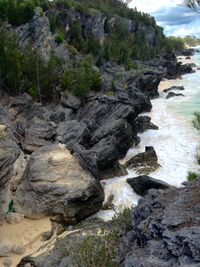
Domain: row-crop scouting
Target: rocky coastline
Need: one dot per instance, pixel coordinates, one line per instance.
(55, 157)
(93, 138)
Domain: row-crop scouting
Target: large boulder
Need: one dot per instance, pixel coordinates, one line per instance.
(165, 229)
(145, 162)
(142, 184)
(143, 123)
(55, 184)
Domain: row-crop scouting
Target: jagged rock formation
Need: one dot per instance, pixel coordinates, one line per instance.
(180, 88)
(165, 229)
(9, 152)
(172, 94)
(144, 163)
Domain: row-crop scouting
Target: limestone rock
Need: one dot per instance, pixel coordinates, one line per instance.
(5, 248)
(144, 163)
(165, 229)
(14, 218)
(55, 184)
(7, 262)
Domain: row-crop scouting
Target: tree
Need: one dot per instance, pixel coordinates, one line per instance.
(193, 5)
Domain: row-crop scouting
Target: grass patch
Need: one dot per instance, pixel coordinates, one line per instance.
(192, 176)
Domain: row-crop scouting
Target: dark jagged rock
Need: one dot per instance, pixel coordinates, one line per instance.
(174, 88)
(37, 31)
(169, 66)
(144, 163)
(40, 133)
(143, 123)
(55, 184)
(142, 184)
(172, 94)
(9, 152)
(60, 114)
(72, 132)
(189, 52)
(166, 229)
(71, 101)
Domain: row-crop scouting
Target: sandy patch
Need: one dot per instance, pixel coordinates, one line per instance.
(167, 84)
(27, 233)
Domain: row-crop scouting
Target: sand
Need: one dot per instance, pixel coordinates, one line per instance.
(28, 233)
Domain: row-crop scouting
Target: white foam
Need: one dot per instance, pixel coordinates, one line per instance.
(176, 144)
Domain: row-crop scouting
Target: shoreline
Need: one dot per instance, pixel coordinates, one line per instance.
(124, 194)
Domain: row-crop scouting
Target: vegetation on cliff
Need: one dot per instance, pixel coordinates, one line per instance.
(128, 35)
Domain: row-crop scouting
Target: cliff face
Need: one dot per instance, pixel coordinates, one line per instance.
(100, 26)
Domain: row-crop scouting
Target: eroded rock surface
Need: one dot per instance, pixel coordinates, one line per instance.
(55, 184)
(144, 163)
(166, 229)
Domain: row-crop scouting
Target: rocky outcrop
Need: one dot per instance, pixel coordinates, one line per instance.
(172, 94)
(144, 163)
(142, 184)
(55, 184)
(165, 229)
(143, 123)
(169, 66)
(9, 152)
(37, 31)
(174, 88)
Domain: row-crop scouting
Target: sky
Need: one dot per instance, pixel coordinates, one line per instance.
(172, 15)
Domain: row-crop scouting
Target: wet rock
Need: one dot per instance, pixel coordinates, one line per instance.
(55, 184)
(172, 94)
(14, 218)
(142, 184)
(144, 163)
(143, 123)
(5, 248)
(174, 88)
(165, 229)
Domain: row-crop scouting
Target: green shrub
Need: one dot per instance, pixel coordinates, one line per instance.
(67, 79)
(192, 176)
(59, 39)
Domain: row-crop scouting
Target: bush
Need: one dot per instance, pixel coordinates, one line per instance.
(59, 38)
(10, 62)
(192, 176)
(67, 79)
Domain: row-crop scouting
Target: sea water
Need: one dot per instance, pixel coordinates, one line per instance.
(176, 142)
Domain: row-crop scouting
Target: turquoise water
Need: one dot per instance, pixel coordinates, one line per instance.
(190, 104)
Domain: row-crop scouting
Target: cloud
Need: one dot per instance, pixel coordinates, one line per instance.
(172, 16)
(178, 20)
